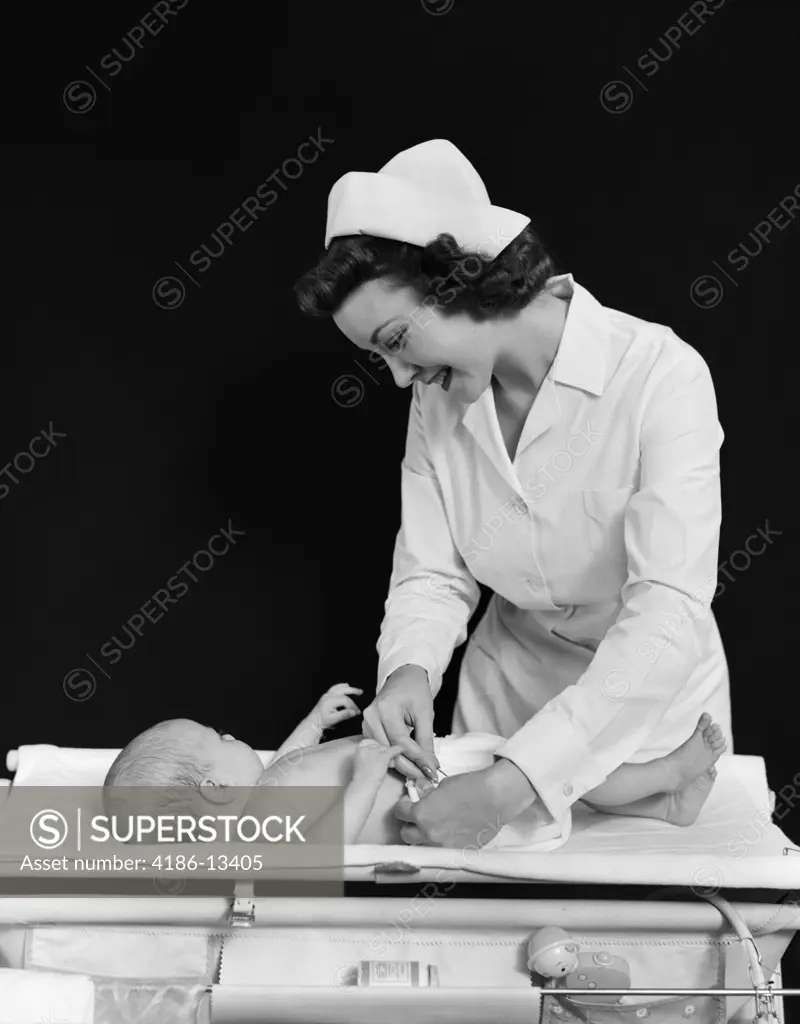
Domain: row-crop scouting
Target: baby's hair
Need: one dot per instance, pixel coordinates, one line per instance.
(453, 279)
(163, 760)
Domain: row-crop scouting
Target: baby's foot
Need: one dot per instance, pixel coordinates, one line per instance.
(684, 806)
(691, 772)
(695, 757)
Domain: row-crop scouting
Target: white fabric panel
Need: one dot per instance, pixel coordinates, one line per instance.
(31, 997)
(123, 953)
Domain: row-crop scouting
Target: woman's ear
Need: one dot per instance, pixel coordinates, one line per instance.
(560, 289)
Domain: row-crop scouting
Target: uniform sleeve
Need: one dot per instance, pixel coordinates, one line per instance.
(672, 541)
(432, 595)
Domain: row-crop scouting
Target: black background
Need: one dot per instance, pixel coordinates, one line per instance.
(223, 409)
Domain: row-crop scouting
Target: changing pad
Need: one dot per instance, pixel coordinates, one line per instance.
(733, 844)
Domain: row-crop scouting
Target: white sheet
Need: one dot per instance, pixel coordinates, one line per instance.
(733, 844)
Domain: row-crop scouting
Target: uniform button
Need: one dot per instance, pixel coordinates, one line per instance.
(603, 959)
(568, 789)
(581, 977)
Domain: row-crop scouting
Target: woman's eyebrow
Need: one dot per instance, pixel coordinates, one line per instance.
(374, 336)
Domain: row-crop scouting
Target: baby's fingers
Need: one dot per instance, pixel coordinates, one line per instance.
(344, 688)
(344, 704)
(334, 717)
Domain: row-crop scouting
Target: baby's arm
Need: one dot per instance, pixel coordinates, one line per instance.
(307, 734)
(333, 707)
(359, 800)
(370, 767)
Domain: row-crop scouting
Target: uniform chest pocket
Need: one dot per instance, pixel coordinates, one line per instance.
(604, 514)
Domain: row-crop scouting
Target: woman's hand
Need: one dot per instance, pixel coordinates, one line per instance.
(466, 810)
(405, 703)
(335, 706)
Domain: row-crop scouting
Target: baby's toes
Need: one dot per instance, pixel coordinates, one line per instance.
(711, 732)
(715, 739)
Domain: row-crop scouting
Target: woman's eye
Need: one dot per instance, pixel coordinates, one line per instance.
(395, 342)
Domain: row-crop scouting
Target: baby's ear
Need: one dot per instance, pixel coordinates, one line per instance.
(217, 793)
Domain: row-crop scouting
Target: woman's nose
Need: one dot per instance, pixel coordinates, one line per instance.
(403, 373)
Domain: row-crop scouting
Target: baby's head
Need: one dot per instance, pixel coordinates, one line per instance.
(184, 755)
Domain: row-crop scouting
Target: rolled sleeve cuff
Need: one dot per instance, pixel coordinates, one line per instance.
(410, 656)
(556, 759)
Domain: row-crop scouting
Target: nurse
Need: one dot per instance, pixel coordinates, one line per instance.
(562, 454)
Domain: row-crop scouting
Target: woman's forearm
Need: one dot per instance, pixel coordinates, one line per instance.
(407, 670)
(512, 786)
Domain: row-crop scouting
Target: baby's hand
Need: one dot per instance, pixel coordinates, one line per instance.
(334, 706)
(372, 761)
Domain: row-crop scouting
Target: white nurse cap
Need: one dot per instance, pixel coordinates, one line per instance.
(421, 193)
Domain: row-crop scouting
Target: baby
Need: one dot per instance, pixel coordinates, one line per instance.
(183, 753)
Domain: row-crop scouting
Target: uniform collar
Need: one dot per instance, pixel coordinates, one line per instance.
(580, 362)
(582, 357)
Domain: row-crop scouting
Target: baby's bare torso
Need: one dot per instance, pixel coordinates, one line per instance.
(331, 765)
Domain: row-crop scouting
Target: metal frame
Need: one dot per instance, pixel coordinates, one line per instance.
(241, 913)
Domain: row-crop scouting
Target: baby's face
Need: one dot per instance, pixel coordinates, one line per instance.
(233, 763)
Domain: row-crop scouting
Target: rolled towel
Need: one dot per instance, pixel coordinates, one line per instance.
(460, 754)
(41, 997)
(42, 764)
(468, 753)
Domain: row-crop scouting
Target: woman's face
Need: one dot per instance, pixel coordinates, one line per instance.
(417, 341)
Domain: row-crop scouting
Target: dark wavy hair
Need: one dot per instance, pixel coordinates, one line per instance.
(442, 274)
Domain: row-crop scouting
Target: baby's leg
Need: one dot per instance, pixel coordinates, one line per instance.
(671, 788)
(331, 764)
